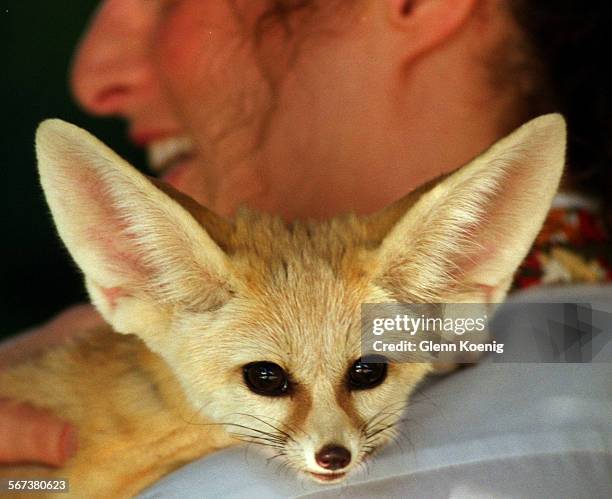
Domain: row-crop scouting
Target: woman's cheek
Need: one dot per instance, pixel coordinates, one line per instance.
(179, 47)
(190, 46)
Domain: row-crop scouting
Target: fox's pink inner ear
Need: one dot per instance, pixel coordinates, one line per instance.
(133, 242)
(90, 222)
(472, 230)
(91, 218)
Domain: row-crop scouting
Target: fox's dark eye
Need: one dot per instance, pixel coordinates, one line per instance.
(266, 378)
(367, 373)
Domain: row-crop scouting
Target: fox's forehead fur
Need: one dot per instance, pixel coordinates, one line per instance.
(300, 287)
(268, 242)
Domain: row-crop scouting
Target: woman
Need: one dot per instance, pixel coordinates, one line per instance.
(310, 108)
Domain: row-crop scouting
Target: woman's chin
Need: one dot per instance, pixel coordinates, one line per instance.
(177, 174)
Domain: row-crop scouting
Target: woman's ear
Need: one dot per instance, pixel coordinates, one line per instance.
(424, 24)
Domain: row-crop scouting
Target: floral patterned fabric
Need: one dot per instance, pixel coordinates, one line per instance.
(574, 246)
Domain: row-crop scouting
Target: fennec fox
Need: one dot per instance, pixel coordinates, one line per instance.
(250, 329)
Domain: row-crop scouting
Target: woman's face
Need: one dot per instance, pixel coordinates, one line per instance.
(236, 103)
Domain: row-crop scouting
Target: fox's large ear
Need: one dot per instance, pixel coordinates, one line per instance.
(464, 236)
(142, 254)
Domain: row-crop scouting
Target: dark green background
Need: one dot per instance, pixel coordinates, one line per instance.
(38, 278)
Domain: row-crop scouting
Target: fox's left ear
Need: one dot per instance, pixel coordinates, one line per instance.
(464, 237)
(142, 253)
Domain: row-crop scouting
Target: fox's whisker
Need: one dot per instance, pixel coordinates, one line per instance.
(255, 442)
(275, 456)
(379, 430)
(379, 419)
(383, 411)
(274, 436)
(281, 423)
(287, 435)
(261, 438)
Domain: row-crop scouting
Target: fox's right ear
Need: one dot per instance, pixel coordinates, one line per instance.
(142, 254)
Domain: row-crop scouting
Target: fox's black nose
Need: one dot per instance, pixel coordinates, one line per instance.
(333, 457)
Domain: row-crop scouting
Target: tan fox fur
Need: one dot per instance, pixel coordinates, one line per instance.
(197, 298)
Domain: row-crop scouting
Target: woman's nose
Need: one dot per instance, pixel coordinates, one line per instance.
(112, 72)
